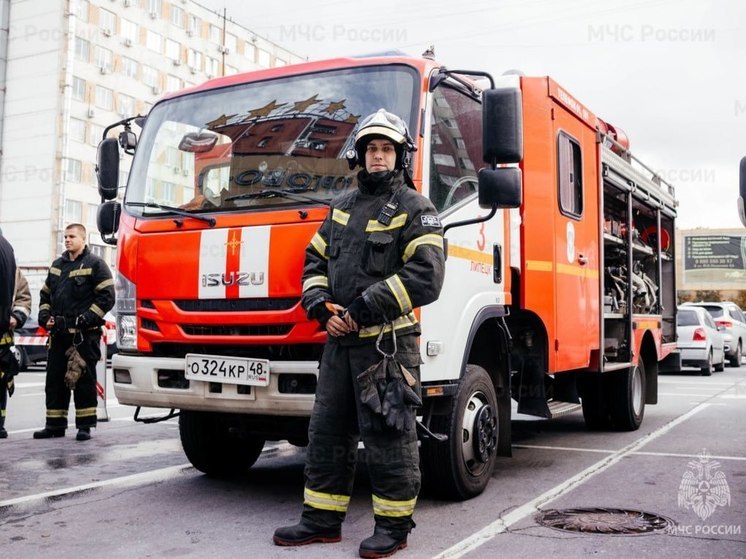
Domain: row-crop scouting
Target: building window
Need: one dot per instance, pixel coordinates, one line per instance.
(177, 16)
(173, 50)
(73, 211)
(150, 76)
(215, 33)
(97, 134)
(71, 170)
(173, 83)
(107, 22)
(77, 129)
(154, 8)
(91, 210)
(104, 59)
(104, 97)
(82, 49)
(230, 70)
(570, 175)
(154, 41)
(230, 42)
(130, 67)
(249, 51)
(193, 25)
(194, 59)
(264, 58)
(212, 66)
(129, 32)
(280, 62)
(78, 89)
(126, 105)
(81, 9)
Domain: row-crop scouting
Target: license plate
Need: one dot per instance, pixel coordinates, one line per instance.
(230, 370)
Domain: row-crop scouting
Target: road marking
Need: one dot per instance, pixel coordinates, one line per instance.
(134, 479)
(500, 525)
(638, 453)
(704, 382)
(574, 449)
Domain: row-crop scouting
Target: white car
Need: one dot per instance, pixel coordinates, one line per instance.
(700, 341)
(731, 317)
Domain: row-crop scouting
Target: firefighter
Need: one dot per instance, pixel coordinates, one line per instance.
(7, 367)
(78, 292)
(376, 257)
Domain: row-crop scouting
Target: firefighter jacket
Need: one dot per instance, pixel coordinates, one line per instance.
(7, 281)
(382, 242)
(21, 299)
(81, 287)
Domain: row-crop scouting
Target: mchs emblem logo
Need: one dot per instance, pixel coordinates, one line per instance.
(703, 487)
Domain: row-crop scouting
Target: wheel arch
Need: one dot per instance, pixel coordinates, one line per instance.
(649, 355)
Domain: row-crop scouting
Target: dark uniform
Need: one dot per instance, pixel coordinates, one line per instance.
(395, 267)
(77, 293)
(7, 282)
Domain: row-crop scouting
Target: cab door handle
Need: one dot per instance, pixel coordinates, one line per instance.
(582, 260)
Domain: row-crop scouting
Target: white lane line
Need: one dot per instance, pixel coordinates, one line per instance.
(134, 479)
(532, 507)
(703, 383)
(688, 394)
(639, 453)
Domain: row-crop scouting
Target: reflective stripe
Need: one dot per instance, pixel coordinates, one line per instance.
(432, 239)
(340, 217)
(387, 507)
(80, 272)
(401, 322)
(325, 501)
(45, 307)
(104, 284)
(95, 308)
(6, 339)
(2, 413)
(315, 281)
(45, 289)
(57, 413)
(400, 293)
(319, 244)
(85, 412)
(55, 271)
(397, 222)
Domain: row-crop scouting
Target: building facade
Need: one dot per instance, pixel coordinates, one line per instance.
(70, 68)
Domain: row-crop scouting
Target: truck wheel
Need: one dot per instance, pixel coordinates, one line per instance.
(212, 448)
(707, 369)
(735, 360)
(627, 397)
(461, 467)
(594, 399)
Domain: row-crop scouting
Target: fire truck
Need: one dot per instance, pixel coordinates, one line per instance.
(559, 290)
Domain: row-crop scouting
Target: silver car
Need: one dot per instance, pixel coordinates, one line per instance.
(731, 317)
(700, 341)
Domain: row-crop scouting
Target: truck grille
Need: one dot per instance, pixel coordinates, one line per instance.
(236, 305)
(237, 330)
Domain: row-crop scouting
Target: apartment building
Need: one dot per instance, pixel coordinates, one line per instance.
(68, 69)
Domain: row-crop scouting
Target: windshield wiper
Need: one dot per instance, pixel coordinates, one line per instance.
(292, 193)
(178, 211)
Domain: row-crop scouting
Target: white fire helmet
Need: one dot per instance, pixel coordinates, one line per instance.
(383, 124)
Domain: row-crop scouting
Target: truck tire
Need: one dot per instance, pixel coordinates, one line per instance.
(212, 448)
(595, 402)
(461, 467)
(627, 397)
(735, 359)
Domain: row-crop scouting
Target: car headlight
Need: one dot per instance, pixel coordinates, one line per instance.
(126, 317)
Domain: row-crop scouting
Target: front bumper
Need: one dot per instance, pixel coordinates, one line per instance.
(147, 388)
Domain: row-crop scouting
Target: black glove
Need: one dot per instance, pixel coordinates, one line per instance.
(369, 385)
(321, 313)
(59, 326)
(362, 314)
(85, 320)
(399, 401)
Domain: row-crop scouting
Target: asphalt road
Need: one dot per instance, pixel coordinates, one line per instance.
(130, 493)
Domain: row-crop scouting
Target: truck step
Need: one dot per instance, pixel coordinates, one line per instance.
(558, 408)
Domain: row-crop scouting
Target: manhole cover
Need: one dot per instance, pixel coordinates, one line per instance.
(604, 521)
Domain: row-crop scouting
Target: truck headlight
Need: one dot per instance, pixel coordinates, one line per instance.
(126, 317)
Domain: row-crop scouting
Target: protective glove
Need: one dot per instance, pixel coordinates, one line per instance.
(86, 320)
(321, 313)
(362, 314)
(399, 401)
(371, 382)
(59, 326)
(76, 366)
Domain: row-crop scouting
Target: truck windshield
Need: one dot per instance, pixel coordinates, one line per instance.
(222, 150)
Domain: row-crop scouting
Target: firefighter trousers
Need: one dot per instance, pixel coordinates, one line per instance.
(57, 392)
(392, 457)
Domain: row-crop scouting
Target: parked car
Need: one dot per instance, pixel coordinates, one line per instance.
(700, 341)
(731, 317)
(31, 341)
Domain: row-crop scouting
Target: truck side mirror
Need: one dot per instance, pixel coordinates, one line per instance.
(500, 187)
(107, 220)
(742, 197)
(502, 126)
(107, 168)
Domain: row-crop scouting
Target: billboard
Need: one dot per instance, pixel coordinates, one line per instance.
(718, 260)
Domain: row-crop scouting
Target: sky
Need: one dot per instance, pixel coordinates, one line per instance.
(670, 73)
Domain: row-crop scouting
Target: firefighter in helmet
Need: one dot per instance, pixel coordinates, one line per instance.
(376, 257)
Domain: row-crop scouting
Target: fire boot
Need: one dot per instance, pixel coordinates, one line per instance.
(304, 533)
(384, 542)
